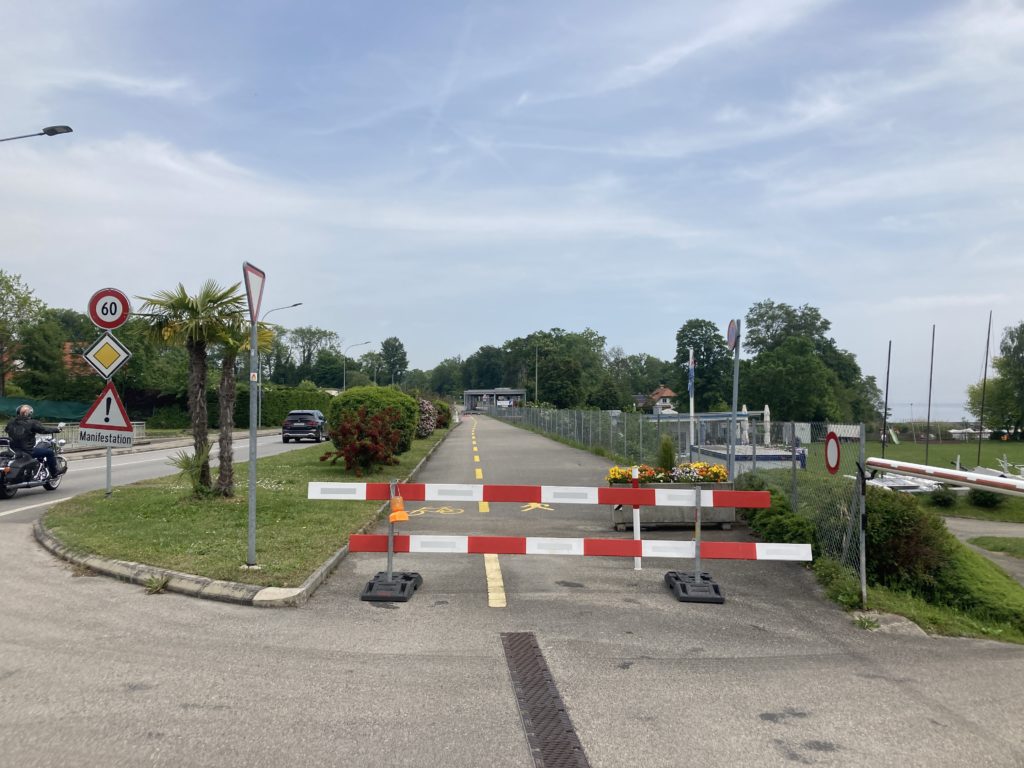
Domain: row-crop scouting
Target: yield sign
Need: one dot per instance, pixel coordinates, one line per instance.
(255, 279)
(107, 413)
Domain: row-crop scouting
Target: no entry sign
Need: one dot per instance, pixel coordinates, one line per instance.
(832, 453)
(109, 308)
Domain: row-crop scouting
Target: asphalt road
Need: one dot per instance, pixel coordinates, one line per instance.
(97, 673)
(87, 471)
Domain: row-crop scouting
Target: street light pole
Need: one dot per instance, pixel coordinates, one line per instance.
(52, 130)
(259, 367)
(344, 363)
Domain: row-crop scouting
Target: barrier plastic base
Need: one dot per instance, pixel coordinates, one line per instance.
(693, 587)
(399, 589)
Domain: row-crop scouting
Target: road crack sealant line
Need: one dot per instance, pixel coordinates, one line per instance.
(212, 589)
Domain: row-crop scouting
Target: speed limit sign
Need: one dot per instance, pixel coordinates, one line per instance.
(109, 308)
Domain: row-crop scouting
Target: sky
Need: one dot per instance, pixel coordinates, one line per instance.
(458, 174)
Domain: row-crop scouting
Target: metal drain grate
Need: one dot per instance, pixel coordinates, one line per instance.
(549, 730)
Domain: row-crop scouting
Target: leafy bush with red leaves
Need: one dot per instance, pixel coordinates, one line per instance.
(367, 441)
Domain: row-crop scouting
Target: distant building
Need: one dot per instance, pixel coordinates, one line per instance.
(502, 397)
(660, 400)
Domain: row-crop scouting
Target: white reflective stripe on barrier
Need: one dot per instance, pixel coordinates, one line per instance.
(680, 497)
(766, 551)
(567, 494)
(538, 545)
(350, 491)
(447, 544)
(453, 492)
(655, 548)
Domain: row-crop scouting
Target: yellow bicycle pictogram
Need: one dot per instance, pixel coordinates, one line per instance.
(438, 510)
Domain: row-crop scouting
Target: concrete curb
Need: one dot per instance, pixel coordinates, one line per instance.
(275, 597)
(213, 589)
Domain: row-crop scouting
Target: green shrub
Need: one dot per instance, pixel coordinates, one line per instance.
(985, 499)
(942, 497)
(840, 582)
(366, 440)
(375, 400)
(444, 414)
(666, 453)
(778, 523)
(907, 545)
(169, 417)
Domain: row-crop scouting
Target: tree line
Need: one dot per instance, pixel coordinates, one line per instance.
(789, 361)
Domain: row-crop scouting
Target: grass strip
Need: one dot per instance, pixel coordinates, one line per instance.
(157, 522)
(1011, 545)
(842, 585)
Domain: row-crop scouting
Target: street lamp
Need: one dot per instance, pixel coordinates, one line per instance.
(51, 130)
(259, 367)
(344, 363)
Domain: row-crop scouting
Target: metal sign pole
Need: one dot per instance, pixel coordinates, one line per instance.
(696, 538)
(110, 460)
(862, 481)
(636, 517)
(253, 418)
(735, 403)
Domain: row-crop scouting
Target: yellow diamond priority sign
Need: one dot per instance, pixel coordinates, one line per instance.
(106, 355)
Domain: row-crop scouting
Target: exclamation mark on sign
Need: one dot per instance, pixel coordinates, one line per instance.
(109, 400)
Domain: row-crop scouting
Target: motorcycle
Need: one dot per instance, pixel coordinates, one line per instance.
(20, 470)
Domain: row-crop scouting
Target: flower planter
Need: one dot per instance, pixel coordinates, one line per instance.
(622, 517)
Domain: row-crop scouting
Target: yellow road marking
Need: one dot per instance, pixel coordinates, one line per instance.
(495, 584)
(475, 449)
(485, 506)
(479, 474)
(476, 459)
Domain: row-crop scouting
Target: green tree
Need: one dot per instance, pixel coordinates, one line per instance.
(712, 380)
(1002, 411)
(638, 374)
(446, 378)
(372, 364)
(768, 325)
(308, 342)
(196, 322)
(18, 309)
(329, 369)
(1011, 367)
(396, 363)
(484, 369)
(563, 381)
(793, 379)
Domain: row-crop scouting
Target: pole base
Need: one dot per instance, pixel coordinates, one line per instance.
(399, 589)
(694, 587)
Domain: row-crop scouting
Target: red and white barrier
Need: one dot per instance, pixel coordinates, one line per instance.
(541, 494)
(536, 545)
(1008, 485)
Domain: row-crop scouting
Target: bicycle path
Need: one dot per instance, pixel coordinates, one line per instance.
(965, 528)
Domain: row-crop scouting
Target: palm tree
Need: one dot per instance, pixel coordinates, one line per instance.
(196, 322)
(234, 340)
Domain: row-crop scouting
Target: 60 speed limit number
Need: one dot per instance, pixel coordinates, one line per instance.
(109, 308)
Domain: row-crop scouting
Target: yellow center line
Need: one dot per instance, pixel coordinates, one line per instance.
(479, 474)
(476, 459)
(495, 584)
(485, 506)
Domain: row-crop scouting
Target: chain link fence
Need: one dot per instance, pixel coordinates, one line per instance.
(789, 457)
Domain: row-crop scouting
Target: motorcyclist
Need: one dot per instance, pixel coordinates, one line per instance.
(23, 429)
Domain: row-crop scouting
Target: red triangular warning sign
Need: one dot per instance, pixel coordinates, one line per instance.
(107, 412)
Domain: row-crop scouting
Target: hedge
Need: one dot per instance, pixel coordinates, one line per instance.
(375, 399)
